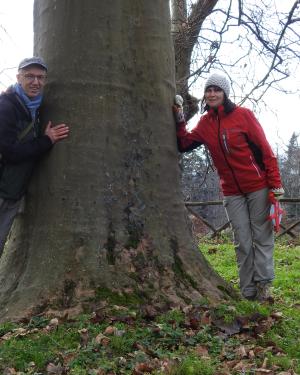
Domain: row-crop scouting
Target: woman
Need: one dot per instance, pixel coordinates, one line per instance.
(248, 170)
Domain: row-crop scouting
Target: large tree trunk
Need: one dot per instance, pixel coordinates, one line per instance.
(105, 210)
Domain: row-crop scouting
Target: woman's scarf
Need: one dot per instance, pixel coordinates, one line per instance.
(31, 104)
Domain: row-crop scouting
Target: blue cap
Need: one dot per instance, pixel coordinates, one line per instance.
(32, 61)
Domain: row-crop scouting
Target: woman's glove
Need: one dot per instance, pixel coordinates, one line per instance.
(178, 109)
(278, 192)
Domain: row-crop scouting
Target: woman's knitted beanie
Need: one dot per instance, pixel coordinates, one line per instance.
(219, 80)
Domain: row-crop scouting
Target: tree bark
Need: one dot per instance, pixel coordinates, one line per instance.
(104, 210)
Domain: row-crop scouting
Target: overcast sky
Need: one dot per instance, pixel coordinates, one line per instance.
(16, 42)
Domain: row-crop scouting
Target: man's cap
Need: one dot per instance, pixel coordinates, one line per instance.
(32, 61)
(218, 80)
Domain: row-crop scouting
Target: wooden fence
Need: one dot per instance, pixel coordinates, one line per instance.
(217, 231)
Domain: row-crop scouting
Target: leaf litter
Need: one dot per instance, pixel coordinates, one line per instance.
(144, 343)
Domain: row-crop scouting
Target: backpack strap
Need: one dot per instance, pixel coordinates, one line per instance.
(25, 131)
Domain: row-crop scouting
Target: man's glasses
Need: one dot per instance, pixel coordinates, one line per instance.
(31, 77)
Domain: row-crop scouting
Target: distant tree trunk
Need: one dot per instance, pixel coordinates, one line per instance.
(290, 171)
(105, 210)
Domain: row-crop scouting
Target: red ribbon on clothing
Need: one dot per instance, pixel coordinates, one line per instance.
(276, 212)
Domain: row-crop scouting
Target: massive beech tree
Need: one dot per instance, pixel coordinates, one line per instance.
(104, 211)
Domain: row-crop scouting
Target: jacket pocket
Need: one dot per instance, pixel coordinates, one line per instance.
(255, 166)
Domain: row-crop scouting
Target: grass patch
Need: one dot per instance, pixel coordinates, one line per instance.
(197, 340)
(286, 291)
(192, 365)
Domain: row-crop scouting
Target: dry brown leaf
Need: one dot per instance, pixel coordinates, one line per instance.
(166, 366)
(105, 342)
(190, 333)
(102, 339)
(18, 332)
(206, 318)
(9, 371)
(53, 324)
(187, 309)
(142, 368)
(53, 369)
(258, 350)
(228, 328)
(202, 351)
(99, 372)
(110, 330)
(194, 322)
(231, 364)
(277, 315)
(222, 372)
(241, 352)
(148, 312)
(122, 308)
(263, 371)
(7, 336)
(67, 358)
(265, 363)
(84, 337)
(244, 322)
(122, 361)
(97, 317)
(240, 366)
(264, 326)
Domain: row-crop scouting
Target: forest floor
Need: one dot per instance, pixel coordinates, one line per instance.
(238, 338)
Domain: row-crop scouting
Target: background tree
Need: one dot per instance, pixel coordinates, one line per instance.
(105, 211)
(200, 182)
(258, 44)
(290, 171)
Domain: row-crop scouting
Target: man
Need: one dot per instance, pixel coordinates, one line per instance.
(22, 142)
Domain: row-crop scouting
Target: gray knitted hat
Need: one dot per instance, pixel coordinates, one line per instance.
(219, 80)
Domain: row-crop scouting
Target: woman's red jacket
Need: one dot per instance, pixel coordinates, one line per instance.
(238, 147)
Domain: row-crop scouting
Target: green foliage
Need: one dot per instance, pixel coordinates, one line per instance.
(193, 365)
(37, 348)
(172, 316)
(116, 298)
(7, 327)
(221, 256)
(123, 344)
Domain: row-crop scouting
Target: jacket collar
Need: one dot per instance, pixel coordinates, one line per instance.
(16, 100)
(213, 113)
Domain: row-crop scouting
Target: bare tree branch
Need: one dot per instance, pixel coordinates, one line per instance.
(237, 40)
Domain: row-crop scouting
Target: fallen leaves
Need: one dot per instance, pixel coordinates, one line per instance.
(18, 332)
(194, 329)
